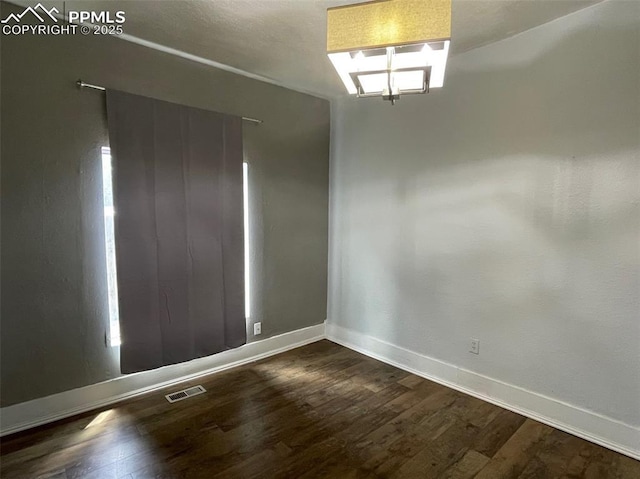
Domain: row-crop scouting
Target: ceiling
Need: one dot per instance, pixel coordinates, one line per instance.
(284, 40)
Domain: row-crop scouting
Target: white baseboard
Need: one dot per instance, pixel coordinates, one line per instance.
(588, 425)
(19, 417)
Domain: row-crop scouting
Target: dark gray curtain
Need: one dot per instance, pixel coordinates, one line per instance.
(179, 230)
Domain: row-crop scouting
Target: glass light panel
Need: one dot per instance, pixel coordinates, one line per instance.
(346, 63)
(375, 83)
(410, 80)
(438, 61)
(370, 63)
(410, 60)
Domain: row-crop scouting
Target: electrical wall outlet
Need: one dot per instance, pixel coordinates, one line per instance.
(257, 329)
(474, 346)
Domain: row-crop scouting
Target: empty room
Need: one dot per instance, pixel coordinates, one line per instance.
(320, 239)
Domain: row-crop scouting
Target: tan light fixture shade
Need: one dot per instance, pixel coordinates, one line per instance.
(387, 22)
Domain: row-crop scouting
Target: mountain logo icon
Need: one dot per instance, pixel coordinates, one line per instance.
(39, 11)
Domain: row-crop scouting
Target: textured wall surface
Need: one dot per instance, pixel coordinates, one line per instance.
(504, 207)
(54, 307)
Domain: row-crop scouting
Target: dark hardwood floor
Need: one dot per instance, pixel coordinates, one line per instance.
(320, 411)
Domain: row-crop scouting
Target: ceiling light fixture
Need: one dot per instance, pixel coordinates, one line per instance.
(390, 48)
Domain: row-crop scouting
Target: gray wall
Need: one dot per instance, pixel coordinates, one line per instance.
(504, 207)
(54, 310)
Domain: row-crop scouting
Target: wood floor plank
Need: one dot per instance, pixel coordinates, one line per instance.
(512, 458)
(623, 467)
(553, 457)
(411, 442)
(467, 467)
(590, 461)
(373, 448)
(497, 432)
(319, 411)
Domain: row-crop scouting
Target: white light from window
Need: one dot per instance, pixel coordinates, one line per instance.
(247, 271)
(110, 247)
(99, 419)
